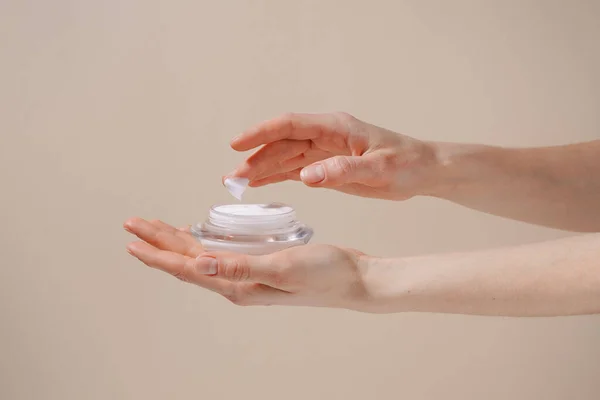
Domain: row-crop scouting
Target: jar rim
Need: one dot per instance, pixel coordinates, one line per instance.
(278, 225)
(219, 212)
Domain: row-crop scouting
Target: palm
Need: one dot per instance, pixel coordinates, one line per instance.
(174, 250)
(317, 275)
(327, 267)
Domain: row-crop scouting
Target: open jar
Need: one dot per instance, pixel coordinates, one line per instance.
(251, 229)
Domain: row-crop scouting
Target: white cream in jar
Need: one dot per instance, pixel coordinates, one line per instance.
(251, 229)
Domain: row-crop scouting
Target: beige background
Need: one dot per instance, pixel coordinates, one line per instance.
(117, 108)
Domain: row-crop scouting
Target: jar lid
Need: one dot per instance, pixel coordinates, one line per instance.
(257, 223)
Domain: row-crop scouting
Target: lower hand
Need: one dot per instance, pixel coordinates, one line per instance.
(340, 152)
(310, 275)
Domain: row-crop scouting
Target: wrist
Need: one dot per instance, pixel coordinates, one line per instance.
(385, 291)
(458, 167)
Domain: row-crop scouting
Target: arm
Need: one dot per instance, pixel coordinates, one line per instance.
(557, 187)
(554, 278)
(559, 277)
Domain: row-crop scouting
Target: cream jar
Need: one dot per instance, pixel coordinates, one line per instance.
(251, 229)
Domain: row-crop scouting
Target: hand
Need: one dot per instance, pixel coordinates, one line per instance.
(311, 275)
(337, 151)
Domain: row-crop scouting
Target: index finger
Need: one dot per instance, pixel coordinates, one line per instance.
(163, 236)
(289, 126)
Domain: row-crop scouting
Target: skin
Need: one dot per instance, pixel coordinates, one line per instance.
(557, 187)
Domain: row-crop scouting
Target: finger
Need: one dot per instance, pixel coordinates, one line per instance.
(180, 266)
(163, 225)
(340, 170)
(183, 268)
(167, 261)
(158, 237)
(292, 164)
(185, 229)
(290, 126)
(356, 189)
(270, 158)
(182, 233)
(286, 176)
(243, 268)
(162, 239)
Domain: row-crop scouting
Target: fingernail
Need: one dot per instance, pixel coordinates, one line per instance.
(313, 174)
(206, 265)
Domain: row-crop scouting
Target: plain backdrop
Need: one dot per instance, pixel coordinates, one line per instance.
(117, 108)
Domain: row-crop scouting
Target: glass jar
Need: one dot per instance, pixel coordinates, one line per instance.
(251, 229)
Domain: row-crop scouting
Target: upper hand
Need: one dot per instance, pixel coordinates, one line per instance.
(336, 151)
(310, 275)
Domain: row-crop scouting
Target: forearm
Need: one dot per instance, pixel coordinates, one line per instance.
(560, 277)
(557, 187)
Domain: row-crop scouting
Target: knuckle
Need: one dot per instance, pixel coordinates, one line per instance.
(288, 115)
(347, 121)
(183, 273)
(162, 236)
(343, 165)
(289, 119)
(181, 277)
(388, 162)
(343, 116)
(236, 270)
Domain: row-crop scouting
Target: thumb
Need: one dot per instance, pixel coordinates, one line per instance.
(238, 268)
(337, 171)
